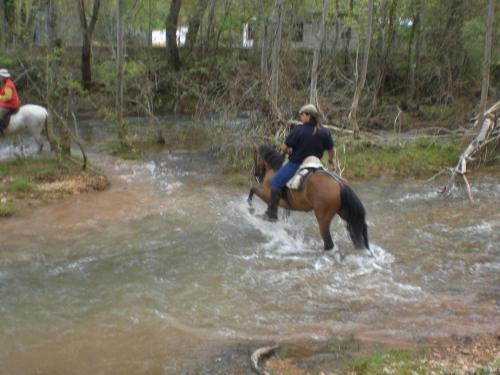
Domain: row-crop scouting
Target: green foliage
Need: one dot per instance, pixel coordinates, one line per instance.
(30, 168)
(282, 352)
(438, 114)
(117, 149)
(7, 209)
(105, 72)
(397, 362)
(20, 187)
(339, 345)
(6, 61)
(134, 70)
(495, 364)
(242, 180)
(474, 30)
(420, 158)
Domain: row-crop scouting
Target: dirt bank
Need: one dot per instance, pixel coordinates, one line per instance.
(29, 183)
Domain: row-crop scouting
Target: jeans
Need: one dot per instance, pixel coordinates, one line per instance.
(284, 174)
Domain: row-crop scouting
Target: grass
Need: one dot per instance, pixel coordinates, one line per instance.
(397, 362)
(335, 344)
(30, 168)
(133, 153)
(419, 158)
(7, 209)
(20, 186)
(19, 180)
(242, 180)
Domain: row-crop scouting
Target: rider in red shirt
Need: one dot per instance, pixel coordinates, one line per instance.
(9, 100)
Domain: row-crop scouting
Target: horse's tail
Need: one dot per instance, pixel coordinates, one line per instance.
(353, 212)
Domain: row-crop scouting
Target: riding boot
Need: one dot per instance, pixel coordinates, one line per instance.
(272, 209)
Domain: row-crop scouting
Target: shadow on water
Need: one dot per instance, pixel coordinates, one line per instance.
(167, 272)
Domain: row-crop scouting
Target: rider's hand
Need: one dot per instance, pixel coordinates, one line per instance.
(333, 163)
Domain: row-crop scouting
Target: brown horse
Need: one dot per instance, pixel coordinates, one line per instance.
(324, 193)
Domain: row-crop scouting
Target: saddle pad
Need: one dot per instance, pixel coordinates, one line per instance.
(310, 164)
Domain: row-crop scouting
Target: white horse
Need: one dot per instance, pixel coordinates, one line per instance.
(33, 117)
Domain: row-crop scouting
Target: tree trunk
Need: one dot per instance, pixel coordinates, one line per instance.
(227, 7)
(2, 25)
(86, 62)
(411, 65)
(210, 26)
(337, 27)
(120, 62)
(10, 22)
(150, 25)
(88, 28)
(53, 39)
(348, 36)
(379, 83)
(275, 56)
(485, 84)
(172, 20)
(63, 146)
(454, 45)
(313, 94)
(361, 83)
(195, 23)
(263, 30)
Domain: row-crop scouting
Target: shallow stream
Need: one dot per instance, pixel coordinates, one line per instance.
(168, 272)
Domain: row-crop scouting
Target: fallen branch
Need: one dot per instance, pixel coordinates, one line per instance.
(486, 134)
(488, 112)
(397, 129)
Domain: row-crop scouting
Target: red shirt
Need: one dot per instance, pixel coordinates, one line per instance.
(14, 102)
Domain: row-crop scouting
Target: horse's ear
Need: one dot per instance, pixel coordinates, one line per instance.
(255, 147)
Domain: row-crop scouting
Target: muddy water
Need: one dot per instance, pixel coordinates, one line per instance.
(168, 273)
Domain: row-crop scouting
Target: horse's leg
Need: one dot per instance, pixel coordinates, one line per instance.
(324, 218)
(250, 196)
(40, 147)
(17, 145)
(262, 192)
(38, 138)
(249, 200)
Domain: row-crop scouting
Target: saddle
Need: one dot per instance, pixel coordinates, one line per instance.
(310, 165)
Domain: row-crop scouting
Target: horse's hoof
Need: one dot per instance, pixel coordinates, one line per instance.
(265, 217)
(369, 252)
(251, 210)
(329, 246)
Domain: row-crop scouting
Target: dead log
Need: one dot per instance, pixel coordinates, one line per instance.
(259, 356)
(488, 133)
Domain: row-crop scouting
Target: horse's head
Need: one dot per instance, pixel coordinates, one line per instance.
(265, 158)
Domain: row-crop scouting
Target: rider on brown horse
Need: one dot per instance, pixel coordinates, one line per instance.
(304, 140)
(9, 100)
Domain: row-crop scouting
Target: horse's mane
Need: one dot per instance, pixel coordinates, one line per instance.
(271, 156)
